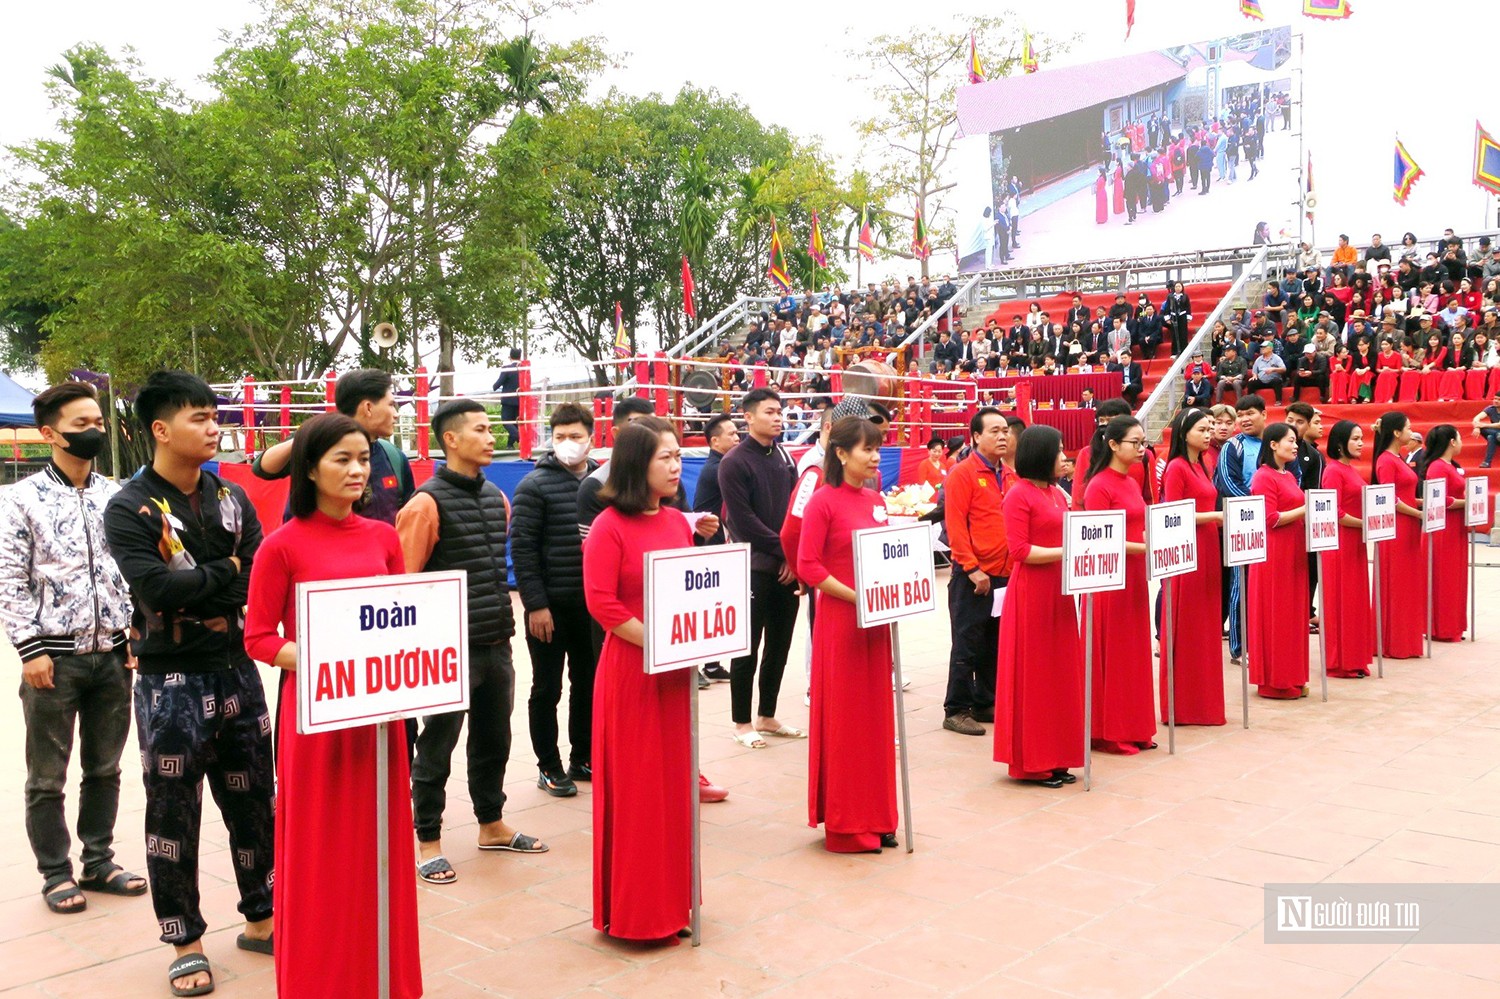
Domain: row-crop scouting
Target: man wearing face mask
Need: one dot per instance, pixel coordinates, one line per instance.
(65, 608)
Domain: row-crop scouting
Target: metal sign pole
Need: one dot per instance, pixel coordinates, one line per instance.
(697, 879)
(383, 859)
(901, 738)
(1323, 619)
(1473, 602)
(1245, 645)
(1088, 692)
(1169, 657)
(1428, 545)
(1379, 633)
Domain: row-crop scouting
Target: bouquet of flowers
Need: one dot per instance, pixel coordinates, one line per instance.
(912, 500)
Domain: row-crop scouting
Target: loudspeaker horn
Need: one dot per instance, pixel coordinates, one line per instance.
(384, 335)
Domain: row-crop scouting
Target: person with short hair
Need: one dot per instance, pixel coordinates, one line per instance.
(547, 558)
(508, 385)
(642, 831)
(367, 396)
(1268, 371)
(66, 611)
(1238, 460)
(185, 541)
(326, 912)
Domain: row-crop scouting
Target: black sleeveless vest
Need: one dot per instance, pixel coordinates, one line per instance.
(471, 537)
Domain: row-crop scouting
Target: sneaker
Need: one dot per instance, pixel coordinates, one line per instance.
(556, 784)
(580, 772)
(709, 793)
(703, 683)
(963, 724)
(716, 673)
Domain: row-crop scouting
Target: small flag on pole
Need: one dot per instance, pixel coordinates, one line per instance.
(1407, 173)
(815, 248)
(687, 289)
(1028, 56)
(1251, 9)
(866, 236)
(776, 266)
(921, 247)
(1326, 10)
(1486, 160)
(1129, 17)
(622, 339)
(976, 71)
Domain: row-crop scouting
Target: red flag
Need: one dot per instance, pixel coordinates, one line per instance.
(687, 290)
(1129, 17)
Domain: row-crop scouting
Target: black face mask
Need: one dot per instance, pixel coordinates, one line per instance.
(85, 444)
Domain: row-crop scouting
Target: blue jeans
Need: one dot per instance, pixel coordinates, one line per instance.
(1491, 442)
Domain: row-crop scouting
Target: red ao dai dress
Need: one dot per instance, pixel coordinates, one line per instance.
(1197, 650)
(1450, 561)
(1277, 609)
(1348, 625)
(1403, 571)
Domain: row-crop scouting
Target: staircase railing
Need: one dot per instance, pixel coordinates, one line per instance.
(962, 299)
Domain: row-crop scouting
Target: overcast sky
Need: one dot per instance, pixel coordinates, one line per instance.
(1381, 69)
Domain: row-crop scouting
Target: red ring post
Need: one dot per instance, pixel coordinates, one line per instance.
(642, 376)
(286, 411)
(661, 375)
(250, 417)
(421, 390)
(528, 411)
(328, 384)
(598, 422)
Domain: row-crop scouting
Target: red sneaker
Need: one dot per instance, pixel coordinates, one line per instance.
(710, 792)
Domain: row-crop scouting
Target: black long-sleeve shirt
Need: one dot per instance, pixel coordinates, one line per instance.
(756, 482)
(707, 497)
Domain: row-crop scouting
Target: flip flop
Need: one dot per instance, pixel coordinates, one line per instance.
(519, 843)
(784, 732)
(55, 894)
(429, 869)
(750, 740)
(190, 964)
(114, 880)
(254, 946)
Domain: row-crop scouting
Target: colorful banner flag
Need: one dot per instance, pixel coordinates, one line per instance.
(921, 247)
(687, 289)
(1309, 196)
(815, 248)
(622, 339)
(1129, 17)
(1251, 9)
(976, 71)
(1407, 173)
(776, 266)
(866, 236)
(1486, 160)
(1028, 56)
(1326, 10)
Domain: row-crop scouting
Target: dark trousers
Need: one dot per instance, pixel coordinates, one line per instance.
(1206, 176)
(194, 726)
(492, 690)
(1179, 329)
(973, 655)
(773, 614)
(1273, 383)
(1131, 394)
(94, 691)
(1312, 587)
(571, 642)
(1491, 442)
(1180, 176)
(1317, 381)
(509, 415)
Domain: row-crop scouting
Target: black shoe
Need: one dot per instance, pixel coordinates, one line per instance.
(556, 784)
(888, 841)
(1064, 776)
(716, 673)
(580, 772)
(983, 714)
(1052, 782)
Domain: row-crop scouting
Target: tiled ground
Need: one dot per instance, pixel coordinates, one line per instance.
(1150, 885)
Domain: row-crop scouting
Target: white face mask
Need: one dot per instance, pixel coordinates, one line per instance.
(570, 452)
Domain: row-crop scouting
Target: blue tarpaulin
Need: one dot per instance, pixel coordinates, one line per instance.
(15, 404)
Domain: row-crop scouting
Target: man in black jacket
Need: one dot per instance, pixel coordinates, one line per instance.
(548, 557)
(184, 540)
(946, 350)
(456, 520)
(509, 387)
(756, 478)
(722, 436)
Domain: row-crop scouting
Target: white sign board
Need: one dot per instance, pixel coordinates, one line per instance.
(380, 648)
(1093, 551)
(1477, 509)
(1245, 541)
(1322, 520)
(893, 573)
(1434, 505)
(697, 606)
(1171, 539)
(1380, 513)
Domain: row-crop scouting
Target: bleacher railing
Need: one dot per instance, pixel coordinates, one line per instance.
(1166, 399)
(918, 338)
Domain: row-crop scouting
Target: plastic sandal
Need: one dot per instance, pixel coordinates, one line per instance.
(190, 964)
(428, 870)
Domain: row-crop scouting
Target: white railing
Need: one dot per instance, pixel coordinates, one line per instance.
(917, 338)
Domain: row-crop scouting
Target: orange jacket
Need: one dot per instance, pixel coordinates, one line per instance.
(974, 517)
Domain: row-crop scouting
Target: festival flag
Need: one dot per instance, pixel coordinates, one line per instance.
(1407, 173)
(687, 289)
(622, 339)
(1325, 10)
(815, 247)
(1486, 160)
(921, 248)
(1309, 196)
(1251, 9)
(866, 236)
(1129, 17)
(776, 267)
(976, 71)
(1028, 56)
